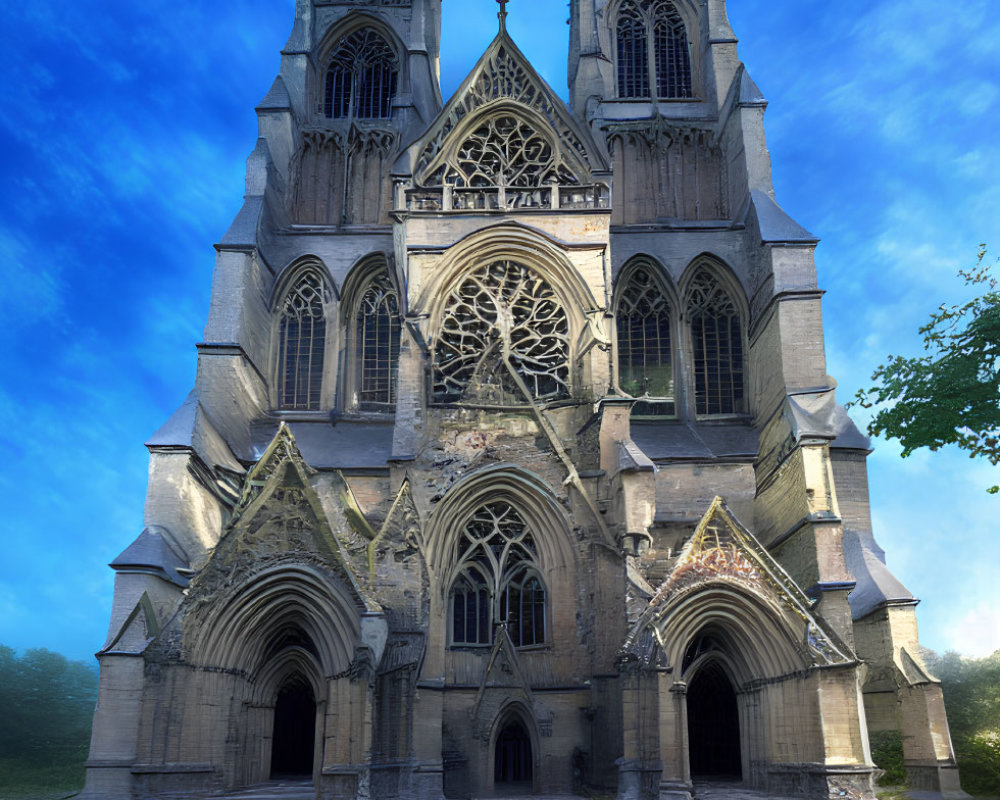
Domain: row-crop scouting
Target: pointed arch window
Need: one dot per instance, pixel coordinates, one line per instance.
(717, 342)
(645, 347)
(377, 328)
(302, 343)
(361, 77)
(497, 580)
(666, 66)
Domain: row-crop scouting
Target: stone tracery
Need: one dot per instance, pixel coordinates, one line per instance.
(504, 335)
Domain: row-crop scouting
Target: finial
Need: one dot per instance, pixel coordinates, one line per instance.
(502, 16)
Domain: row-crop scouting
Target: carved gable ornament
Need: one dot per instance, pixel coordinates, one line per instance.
(279, 519)
(721, 550)
(504, 127)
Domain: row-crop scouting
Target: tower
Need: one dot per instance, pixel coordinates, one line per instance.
(512, 463)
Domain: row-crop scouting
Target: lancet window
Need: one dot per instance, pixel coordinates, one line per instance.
(302, 342)
(645, 348)
(504, 339)
(361, 77)
(666, 66)
(376, 330)
(497, 580)
(717, 342)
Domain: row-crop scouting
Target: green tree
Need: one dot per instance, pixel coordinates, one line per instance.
(951, 395)
(46, 706)
(971, 689)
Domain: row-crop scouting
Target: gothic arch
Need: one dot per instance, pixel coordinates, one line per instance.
(665, 64)
(515, 242)
(756, 636)
(301, 336)
(647, 321)
(549, 319)
(716, 318)
(371, 314)
(237, 633)
(514, 711)
(527, 493)
(455, 158)
(340, 30)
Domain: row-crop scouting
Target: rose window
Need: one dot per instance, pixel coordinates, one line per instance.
(504, 338)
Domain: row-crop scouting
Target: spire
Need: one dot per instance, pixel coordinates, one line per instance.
(502, 15)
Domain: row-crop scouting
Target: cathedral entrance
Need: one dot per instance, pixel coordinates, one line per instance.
(512, 760)
(713, 725)
(294, 733)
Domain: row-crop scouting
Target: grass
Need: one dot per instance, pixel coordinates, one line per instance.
(23, 781)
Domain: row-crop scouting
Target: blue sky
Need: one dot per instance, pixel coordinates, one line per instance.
(124, 129)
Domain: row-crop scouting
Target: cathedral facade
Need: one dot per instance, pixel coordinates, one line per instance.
(512, 463)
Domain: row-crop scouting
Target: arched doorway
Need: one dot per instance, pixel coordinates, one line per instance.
(294, 732)
(713, 724)
(512, 767)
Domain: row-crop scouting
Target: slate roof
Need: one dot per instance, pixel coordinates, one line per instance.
(154, 552)
(876, 586)
(348, 444)
(663, 441)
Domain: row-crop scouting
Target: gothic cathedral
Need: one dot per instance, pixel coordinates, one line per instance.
(512, 465)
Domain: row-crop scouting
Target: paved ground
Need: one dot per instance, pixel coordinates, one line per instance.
(303, 790)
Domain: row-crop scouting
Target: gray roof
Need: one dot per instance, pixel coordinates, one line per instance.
(189, 426)
(775, 225)
(876, 585)
(155, 552)
(348, 444)
(819, 414)
(277, 98)
(681, 440)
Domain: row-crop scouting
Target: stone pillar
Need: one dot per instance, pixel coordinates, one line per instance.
(114, 738)
(675, 779)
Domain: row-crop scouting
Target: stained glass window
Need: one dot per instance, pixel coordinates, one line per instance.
(301, 343)
(377, 335)
(361, 77)
(669, 72)
(717, 341)
(504, 334)
(497, 580)
(645, 354)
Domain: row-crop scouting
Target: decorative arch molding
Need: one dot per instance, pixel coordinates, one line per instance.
(721, 272)
(513, 242)
(758, 641)
(362, 271)
(515, 711)
(525, 492)
(281, 669)
(471, 151)
(657, 269)
(286, 277)
(236, 634)
(725, 580)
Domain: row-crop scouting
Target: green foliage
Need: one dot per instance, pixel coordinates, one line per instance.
(887, 753)
(46, 707)
(952, 394)
(972, 698)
